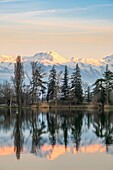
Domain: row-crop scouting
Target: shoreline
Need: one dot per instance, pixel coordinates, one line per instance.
(41, 106)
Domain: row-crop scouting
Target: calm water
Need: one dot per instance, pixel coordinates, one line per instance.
(52, 134)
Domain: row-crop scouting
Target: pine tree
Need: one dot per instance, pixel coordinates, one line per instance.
(65, 86)
(58, 85)
(108, 77)
(99, 93)
(76, 86)
(51, 93)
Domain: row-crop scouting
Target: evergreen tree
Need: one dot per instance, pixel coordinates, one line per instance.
(51, 93)
(108, 77)
(65, 86)
(103, 87)
(88, 95)
(18, 80)
(37, 83)
(76, 86)
(99, 94)
(58, 85)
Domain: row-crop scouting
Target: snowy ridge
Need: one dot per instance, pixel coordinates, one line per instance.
(7, 59)
(52, 58)
(92, 61)
(91, 68)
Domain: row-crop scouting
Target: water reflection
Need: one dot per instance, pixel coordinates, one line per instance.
(18, 134)
(76, 127)
(54, 133)
(104, 128)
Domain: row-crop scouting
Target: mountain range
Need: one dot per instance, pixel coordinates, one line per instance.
(91, 68)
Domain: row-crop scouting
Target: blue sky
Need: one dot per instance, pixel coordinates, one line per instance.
(98, 9)
(70, 27)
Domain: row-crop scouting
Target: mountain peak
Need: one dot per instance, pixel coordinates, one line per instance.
(48, 58)
(51, 53)
(58, 59)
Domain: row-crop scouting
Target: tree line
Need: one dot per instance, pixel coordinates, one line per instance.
(60, 88)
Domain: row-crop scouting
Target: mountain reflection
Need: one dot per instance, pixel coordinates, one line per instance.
(53, 133)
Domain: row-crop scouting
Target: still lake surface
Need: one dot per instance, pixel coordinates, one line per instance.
(59, 135)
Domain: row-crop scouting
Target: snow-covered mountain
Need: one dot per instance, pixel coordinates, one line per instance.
(91, 68)
(49, 58)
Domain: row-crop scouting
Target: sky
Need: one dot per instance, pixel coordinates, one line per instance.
(72, 28)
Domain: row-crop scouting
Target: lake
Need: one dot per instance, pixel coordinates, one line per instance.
(56, 139)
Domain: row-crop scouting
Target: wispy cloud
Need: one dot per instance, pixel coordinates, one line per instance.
(82, 9)
(54, 12)
(56, 25)
(26, 15)
(46, 12)
(38, 15)
(6, 1)
(101, 5)
(51, 20)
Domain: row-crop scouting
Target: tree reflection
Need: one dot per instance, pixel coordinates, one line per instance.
(76, 128)
(18, 135)
(108, 132)
(104, 128)
(65, 127)
(38, 127)
(100, 126)
(36, 130)
(5, 119)
(89, 120)
(52, 126)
